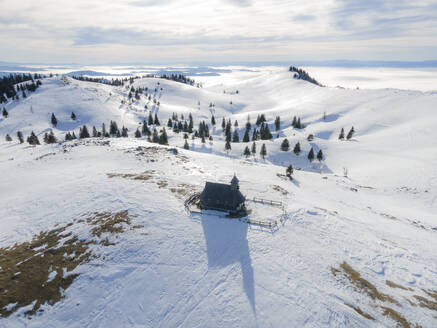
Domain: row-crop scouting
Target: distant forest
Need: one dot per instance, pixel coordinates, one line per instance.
(302, 75)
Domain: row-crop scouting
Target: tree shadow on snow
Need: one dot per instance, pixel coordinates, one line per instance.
(226, 244)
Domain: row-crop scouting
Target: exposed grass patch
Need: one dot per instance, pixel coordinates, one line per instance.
(431, 293)
(144, 176)
(25, 270)
(364, 285)
(361, 312)
(395, 285)
(424, 302)
(38, 272)
(280, 189)
(396, 316)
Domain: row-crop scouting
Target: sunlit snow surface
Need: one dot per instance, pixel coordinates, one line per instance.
(204, 270)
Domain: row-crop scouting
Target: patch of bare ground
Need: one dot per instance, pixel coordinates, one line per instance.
(361, 312)
(280, 189)
(395, 285)
(424, 302)
(144, 176)
(396, 316)
(364, 285)
(39, 271)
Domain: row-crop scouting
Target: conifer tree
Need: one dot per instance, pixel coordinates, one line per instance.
(320, 156)
(150, 118)
(51, 139)
(285, 145)
(5, 112)
(33, 139)
(170, 123)
(246, 152)
(228, 146)
(155, 137)
(350, 133)
(236, 124)
(163, 138)
(254, 135)
(289, 171)
(212, 120)
(294, 122)
(186, 145)
(73, 116)
(54, 120)
(341, 136)
(8, 137)
(277, 123)
(20, 136)
(311, 155)
(137, 133)
(145, 129)
(223, 123)
(203, 139)
(84, 132)
(46, 137)
(190, 123)
(263, 151)
(95, 134)
(103, 130)
(253, 150)
(156, 120)
(73, 136)
(246, 136)
(235, 137)
(298, 124)
(296, 149)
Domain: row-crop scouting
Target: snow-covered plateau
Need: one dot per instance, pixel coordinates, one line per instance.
(94, 232)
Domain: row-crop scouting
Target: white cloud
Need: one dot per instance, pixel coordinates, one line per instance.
(227, 30)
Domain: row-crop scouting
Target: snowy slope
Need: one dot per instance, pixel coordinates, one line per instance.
(204, 270)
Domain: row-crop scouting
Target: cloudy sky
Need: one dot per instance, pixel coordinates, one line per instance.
(178, 31)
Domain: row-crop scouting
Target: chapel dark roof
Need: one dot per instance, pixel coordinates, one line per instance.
(221, 196)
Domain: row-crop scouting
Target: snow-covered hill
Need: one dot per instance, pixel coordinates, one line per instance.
(181, 269)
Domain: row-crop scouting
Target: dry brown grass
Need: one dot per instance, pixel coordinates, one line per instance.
(144, 176)
(424, 302)
(431, 293)
(108, 222)
(361, 312)
(395, 285)
(396, 316)
(25, 268)
(364, 285)
(280, 189)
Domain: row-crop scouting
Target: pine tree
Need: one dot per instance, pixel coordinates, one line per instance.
(310, 137)
(285, 145)
(212, 120)
(263, 151)
(170, 123)
(298, 124)
(186, 145)
(223, 123)
(84, 132)
(190, 123)
(124, 132)
(320, 156)
(246, 136)
(246, 152)
(73, 136)
(145, 129)
(254, 135)
(203, 139)
(350, 133)
(137, 133)
(150, 118)
(73, 116)
(341, 136)
(277, 123)
(253, 150)
(311, 155)
(103, 130)
(54, 120)
(294, 122)
(8, 137)
(68, 136)
(289, 171)
(156, 122)
(46, 137)
(33, 139)
(51, 139)
(296, 149)
(235, 137)
(155, 137)
(95, 134)
(20, 136)
(236, 124)
(228, 146)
